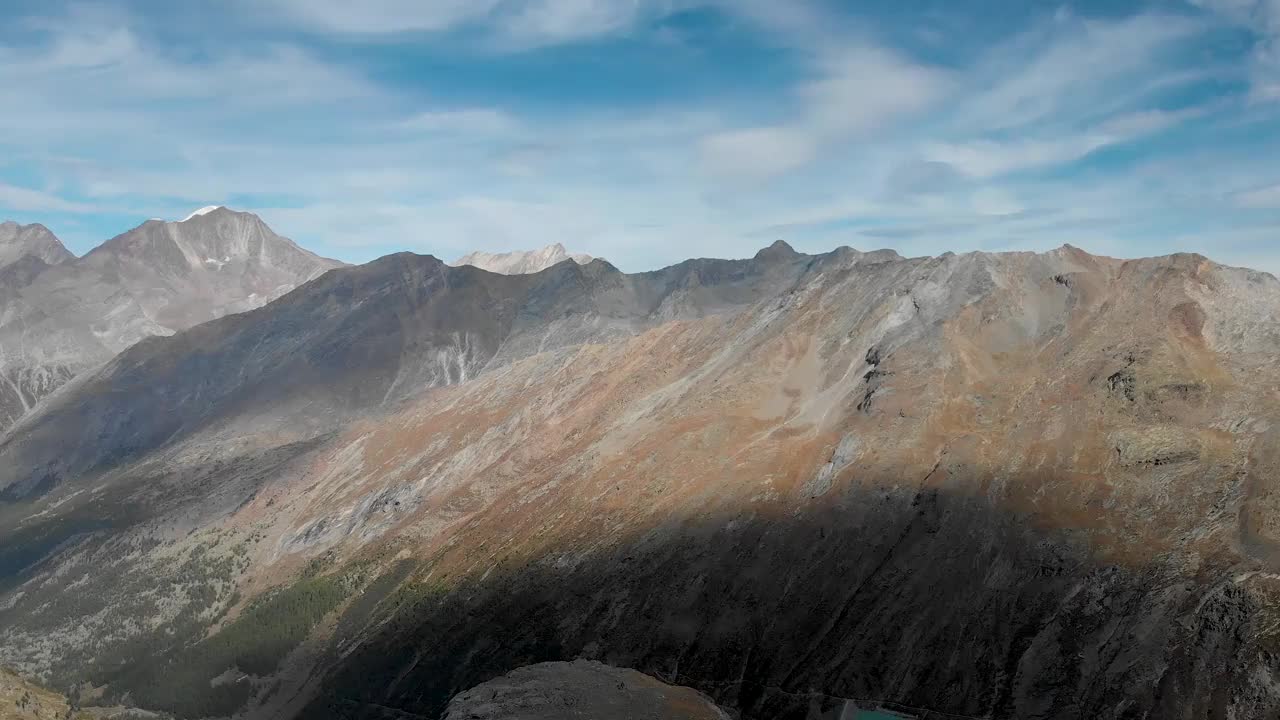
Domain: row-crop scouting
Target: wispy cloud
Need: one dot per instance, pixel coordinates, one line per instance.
(1262, 18)
(856, 91)
(26, 199)
(508, 24)
(1264, 197)
(480, 121)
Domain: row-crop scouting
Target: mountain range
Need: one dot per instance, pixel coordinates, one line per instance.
(988, 485)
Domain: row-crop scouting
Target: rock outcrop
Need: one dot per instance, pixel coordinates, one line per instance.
(580, 689)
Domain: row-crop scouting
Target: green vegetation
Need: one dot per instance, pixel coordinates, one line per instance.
(260, 638)
(193, 681)
(385, 586)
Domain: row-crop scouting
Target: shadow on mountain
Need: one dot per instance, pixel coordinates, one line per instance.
(930, 599)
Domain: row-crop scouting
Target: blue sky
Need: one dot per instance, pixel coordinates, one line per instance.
(648, 131)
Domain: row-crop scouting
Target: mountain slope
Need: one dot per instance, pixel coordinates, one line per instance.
(521, 262)
(354, 341)
(153, 280)
(21, 700)
(1013, 485)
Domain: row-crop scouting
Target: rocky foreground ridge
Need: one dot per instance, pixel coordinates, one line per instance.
(991, 485)
(580, 689)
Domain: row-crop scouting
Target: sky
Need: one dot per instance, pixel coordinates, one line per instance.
(650, 131)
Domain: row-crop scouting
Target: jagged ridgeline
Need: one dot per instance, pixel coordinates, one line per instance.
(984, 485)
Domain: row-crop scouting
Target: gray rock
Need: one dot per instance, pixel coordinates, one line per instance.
(580, 689)
(19, 241)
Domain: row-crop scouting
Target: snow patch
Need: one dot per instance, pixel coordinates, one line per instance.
(202, 211)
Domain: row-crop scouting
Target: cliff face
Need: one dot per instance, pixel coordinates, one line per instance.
(1017, 485)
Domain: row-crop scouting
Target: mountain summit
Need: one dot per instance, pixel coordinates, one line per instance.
(156, 279)
(521, 262)
(19, 241)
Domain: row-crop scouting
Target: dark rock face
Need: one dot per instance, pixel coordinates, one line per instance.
(931, 602)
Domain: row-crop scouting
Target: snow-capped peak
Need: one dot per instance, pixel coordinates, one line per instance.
(202, 211)
(521, 262)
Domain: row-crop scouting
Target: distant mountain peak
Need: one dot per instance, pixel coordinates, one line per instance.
(778, 250)
(202, 211)
(36, 240)
(522, 262)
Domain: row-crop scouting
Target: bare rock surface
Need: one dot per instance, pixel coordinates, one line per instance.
(580, 689)
(35, 241)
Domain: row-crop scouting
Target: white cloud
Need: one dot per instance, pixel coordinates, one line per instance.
(986, 158)
(757, 153)
(484, 121)
(995, 201)
(514, 24)
(378, 16)
(1264, 197)
(1262, 17)
(1069, 70)
(541, 22)
(108, 68)
(28, 200)
(1143, 122)
(865, 88)
(857, 90)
